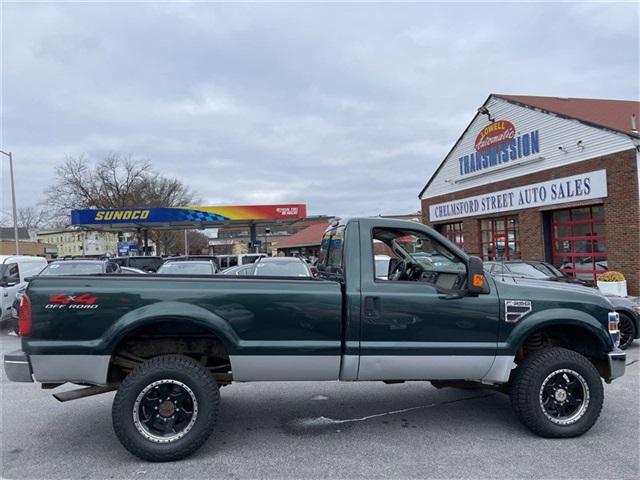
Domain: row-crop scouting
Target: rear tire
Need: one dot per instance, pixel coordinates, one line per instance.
(166, 408)
(627, 331)
(557, 393)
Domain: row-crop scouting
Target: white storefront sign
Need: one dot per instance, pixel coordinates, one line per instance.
(585, 186)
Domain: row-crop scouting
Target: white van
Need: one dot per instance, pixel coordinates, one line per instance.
(227, 261)
(14, 269)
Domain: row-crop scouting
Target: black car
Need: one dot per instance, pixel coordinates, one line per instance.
(533, 269)
(628, 309)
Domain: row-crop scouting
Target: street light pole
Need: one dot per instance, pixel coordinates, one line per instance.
(13, 201)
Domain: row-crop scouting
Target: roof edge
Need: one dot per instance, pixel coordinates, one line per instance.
(454, 147)
(507, 98)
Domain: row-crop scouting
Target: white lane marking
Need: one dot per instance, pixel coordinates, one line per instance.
(322, 421)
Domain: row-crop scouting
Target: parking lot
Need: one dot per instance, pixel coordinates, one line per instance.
(327, 430)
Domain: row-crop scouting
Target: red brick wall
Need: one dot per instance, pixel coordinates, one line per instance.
(622, 213)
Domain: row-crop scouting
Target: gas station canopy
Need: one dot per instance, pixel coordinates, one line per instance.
(191, 217)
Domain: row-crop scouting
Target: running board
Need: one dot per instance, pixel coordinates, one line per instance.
(83, 392)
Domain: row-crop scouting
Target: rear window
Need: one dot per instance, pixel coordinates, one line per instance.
(294, 268)
(186, 268)
(72, 268)
(331, 259)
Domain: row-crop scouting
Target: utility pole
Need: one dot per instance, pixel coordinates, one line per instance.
(13, 202)
(186, 243)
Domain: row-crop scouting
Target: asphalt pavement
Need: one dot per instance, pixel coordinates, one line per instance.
(326, 430)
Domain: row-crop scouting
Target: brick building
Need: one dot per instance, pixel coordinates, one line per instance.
(543, 178)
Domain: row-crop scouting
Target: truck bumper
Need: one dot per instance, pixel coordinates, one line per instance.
(617, 364)
(17, 367)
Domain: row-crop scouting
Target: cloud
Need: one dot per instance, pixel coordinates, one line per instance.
(348, 108)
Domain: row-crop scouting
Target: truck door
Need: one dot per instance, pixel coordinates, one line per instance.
(418, 324)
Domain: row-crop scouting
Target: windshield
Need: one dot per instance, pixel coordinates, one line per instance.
(549, 270)
(293, 268)
(528, 270)
(72, 268)
(186, 268)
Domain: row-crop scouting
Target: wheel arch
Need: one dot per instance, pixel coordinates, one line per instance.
(563, 324)
(170, 312)
(187, 330)
(586, 338)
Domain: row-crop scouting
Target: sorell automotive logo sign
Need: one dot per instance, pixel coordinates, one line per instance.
(498, 144)
(585, 186)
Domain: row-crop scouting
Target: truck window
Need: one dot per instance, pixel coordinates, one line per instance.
(330, 261)
(10, 273)
(416, 257)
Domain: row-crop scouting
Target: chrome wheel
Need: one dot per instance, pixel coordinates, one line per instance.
(564, 396)
(165, 411)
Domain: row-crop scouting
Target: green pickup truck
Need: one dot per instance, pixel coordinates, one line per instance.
(167, 344)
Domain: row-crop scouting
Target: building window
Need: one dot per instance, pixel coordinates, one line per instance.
(500, 238)
(578, 241)
(454, 232)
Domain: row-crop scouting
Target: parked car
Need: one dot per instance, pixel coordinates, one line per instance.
(168, 345)
(146, 263)
(532, 269)
(80, 267)
(188, 267)
(281, 267)
(226, 261)
(14, 271)
(629, 310)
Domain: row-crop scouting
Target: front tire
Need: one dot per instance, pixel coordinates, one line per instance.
(557, 393)
(627, 331)
(166, 408)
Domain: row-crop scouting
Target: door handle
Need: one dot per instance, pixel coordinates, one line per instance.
(372, 307)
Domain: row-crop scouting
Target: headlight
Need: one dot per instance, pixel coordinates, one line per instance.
(614, 330)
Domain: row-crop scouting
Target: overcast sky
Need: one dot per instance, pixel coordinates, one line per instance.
(347, 108)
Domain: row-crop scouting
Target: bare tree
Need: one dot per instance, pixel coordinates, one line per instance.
(115, 181)
(30, 218)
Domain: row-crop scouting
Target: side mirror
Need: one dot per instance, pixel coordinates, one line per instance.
(476, 281)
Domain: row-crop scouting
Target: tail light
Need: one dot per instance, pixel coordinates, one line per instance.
(24, 318)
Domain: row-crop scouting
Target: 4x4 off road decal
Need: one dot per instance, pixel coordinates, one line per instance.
(80, 301)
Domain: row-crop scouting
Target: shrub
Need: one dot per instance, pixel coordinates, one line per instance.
(611, 277)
